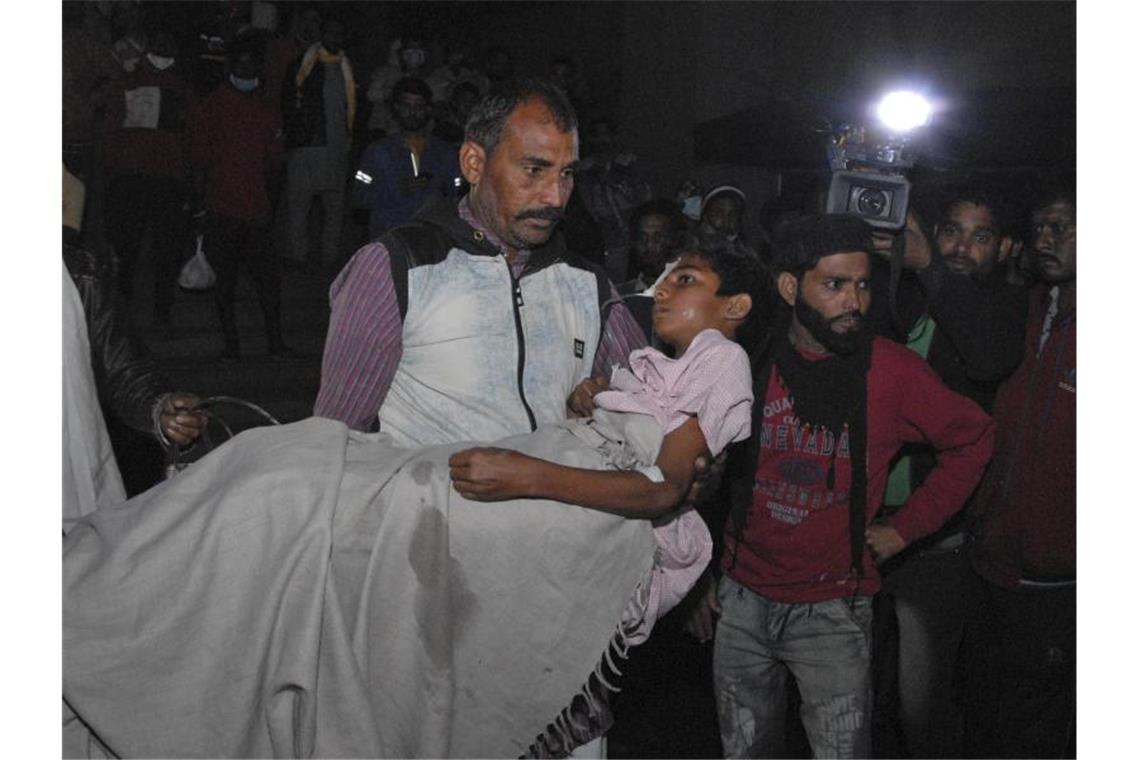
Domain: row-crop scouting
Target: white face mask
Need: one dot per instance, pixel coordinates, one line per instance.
(159, 62)
(244, 85)
(414, 57)
(692, 207)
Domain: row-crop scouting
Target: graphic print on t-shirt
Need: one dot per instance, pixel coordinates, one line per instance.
(791, 481)
(793, 542)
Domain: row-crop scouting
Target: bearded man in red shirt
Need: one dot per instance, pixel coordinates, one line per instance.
(834, 406)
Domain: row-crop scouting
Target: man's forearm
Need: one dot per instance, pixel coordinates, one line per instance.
(945, 491)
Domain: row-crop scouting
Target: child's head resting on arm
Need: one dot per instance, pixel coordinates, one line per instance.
(717, 283)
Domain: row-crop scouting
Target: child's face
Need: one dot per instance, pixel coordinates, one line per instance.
(686, 303)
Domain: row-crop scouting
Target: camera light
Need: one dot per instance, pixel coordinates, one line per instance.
(903, 111)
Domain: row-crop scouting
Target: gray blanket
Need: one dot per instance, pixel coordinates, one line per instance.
(307, 591)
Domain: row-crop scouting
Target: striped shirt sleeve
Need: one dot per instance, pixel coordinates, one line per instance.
(364, 342)
(620, 335)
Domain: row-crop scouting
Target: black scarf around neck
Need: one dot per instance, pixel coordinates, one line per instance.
(831, 393)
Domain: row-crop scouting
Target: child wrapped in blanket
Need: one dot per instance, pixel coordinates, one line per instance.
(702, 400)
(310, 590)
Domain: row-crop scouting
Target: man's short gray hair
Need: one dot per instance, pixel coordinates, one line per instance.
(485, 124)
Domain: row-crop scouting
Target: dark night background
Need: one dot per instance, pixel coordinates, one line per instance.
(739, 91)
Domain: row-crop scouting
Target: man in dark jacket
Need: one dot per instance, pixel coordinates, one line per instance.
(318, 105)
(105, 368)
(1020, 643)
(406, 171)
(969, 328)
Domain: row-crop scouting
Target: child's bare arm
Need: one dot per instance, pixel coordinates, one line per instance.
(491, 474)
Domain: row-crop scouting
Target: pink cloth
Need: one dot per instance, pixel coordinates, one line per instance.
(712, 380)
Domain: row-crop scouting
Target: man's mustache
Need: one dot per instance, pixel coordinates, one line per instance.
(855, 316)
(546, 214)
(848, 324)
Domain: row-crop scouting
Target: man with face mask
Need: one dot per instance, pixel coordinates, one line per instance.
(800, 547)
(455, 71)
(318, 107)
(145, 142)
(304, 30)
(402, 173)
(236, 149)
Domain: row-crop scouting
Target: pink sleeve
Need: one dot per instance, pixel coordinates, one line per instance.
(684, 548)
(726, 414)
(718, 390)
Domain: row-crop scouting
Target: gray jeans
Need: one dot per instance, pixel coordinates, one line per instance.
(826, 646)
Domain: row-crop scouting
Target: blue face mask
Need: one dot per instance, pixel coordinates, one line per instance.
(244, 85)
(692, 207)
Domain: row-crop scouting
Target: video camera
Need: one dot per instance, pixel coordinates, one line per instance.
(868, 168)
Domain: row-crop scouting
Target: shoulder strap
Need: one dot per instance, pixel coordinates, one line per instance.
(400, 259)
(410, 246)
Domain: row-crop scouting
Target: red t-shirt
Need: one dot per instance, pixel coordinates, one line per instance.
(145, 124)
(795, 545)
(1026, 509)
(236, 139)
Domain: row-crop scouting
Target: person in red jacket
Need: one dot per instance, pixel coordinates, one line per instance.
(236, 147)
(1020, 647)
(833, 407)
(145, 142)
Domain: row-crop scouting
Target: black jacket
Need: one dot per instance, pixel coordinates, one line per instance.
(128, 382)
(980, 324)
(303, 110)
(979, 339)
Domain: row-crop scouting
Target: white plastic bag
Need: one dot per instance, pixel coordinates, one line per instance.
(197, 274)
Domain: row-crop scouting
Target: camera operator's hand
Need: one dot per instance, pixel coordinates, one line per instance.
(917, 253)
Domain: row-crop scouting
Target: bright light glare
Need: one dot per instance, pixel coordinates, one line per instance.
(903, 111)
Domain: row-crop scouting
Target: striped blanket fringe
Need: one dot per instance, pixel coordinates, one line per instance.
(588, 715)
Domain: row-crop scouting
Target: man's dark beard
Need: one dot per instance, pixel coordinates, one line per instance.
(819, 327)
(414, 124)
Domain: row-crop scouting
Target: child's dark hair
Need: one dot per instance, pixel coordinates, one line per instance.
(740, 270)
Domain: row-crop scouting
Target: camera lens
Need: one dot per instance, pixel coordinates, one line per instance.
(871, 202)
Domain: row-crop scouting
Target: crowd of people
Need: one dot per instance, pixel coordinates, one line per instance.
(834, 464)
